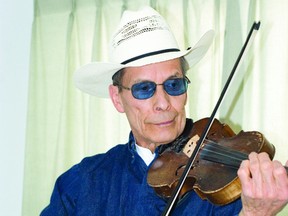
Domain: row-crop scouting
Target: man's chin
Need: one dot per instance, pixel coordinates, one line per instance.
(166, 140)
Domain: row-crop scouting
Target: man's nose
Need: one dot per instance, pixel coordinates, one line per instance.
(161, 99)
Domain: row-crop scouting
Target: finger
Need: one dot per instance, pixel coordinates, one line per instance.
(254, 165)
(256, 169)
(267, 174)
(266, 167)
(245, 177)
(280, 176)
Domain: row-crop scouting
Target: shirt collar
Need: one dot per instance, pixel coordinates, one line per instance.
(146, 155)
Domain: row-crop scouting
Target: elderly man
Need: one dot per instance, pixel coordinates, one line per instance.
(149, 85)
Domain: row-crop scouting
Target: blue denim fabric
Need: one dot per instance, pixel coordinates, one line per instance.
(115, 183)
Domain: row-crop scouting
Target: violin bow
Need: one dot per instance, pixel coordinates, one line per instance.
(255, 27)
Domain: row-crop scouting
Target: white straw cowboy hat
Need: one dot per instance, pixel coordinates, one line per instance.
(143, 37)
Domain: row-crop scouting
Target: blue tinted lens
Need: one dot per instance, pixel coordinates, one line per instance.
(175, 87)
(143, 90)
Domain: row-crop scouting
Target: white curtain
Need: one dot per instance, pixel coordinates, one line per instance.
(64, 125)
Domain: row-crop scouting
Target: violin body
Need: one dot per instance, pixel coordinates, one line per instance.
(213, 175)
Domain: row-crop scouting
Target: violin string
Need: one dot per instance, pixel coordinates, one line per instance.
(220, 154)
(219, 158)
(225, 152)
(216, 147)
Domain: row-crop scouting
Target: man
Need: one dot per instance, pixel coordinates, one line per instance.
(149, 85)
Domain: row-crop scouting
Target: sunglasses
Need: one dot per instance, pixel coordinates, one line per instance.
(146, 89)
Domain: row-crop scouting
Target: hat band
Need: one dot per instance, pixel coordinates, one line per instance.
(150, 54)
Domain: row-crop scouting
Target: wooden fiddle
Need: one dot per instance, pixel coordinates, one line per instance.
(213, 176)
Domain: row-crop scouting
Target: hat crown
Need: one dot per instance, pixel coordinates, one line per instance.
(143, 37)
(140, 33)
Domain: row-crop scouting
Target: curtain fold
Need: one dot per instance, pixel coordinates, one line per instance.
(64, 125)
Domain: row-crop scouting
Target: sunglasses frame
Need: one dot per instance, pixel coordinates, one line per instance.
(185, 79)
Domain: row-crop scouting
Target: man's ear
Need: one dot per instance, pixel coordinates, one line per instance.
(115, 97)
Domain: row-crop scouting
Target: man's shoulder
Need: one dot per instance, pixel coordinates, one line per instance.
(90, 165)
(115, 154)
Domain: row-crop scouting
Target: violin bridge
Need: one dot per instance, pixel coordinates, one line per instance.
(191, 145)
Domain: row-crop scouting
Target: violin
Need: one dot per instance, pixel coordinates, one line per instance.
(206, 157)
(213, 175)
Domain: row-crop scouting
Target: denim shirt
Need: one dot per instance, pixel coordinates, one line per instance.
(115, 183)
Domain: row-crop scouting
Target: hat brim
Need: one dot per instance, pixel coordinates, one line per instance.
(94, 78)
